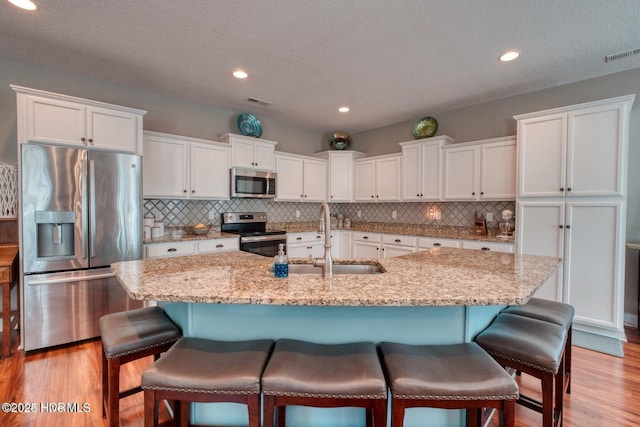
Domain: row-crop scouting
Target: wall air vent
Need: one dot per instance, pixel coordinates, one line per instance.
(621, 55)
(259, 101)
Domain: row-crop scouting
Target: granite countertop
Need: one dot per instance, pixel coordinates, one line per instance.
(211, 235)
(434, 277)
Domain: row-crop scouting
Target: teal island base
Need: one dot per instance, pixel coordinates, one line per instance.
(329, 324)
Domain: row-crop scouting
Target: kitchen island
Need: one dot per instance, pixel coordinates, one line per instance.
(438, 296)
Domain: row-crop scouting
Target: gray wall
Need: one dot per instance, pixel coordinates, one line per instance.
(489, 120)
(495, 119)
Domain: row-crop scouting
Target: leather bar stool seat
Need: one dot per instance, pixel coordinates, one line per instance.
(457, 376)
(553, 312)
(201, 370)
(128, 336)
(534, 347)
(324, 375)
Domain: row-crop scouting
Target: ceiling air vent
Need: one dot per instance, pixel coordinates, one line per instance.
(259, 101)
(620, 55)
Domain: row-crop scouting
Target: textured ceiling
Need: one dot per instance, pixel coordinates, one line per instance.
(391, 61)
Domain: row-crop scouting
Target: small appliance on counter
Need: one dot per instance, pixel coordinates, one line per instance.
(506, 225)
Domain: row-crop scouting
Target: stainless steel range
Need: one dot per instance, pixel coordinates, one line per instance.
(252, 228)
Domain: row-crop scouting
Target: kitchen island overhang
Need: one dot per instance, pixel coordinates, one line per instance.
(437, 296)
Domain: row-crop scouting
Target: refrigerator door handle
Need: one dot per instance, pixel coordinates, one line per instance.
(84, 219)
(92, 207)
(69, 279)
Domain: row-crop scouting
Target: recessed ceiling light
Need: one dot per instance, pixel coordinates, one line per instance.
(344, 109)
(509, 56)
(24, 4)
(239, 74)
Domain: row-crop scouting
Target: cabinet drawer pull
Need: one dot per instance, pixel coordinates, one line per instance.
(318, 237)
(172, 250)
(298, 238)
(365, 237)
(219, 245)
(484, 248)
(437, 245)
(397, 240)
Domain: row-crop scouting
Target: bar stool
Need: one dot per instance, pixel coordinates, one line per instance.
(201, 370)
(326, 376)
(534, 347)
(457, 376)
(554, 312)
(128, 336)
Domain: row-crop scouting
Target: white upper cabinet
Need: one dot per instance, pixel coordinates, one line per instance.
(422, 169)
(60, 119)
(480, 170)
(574, 151)
(301, 178)
(341, 173)
(184, 168)
(378, 179)
(251, 153)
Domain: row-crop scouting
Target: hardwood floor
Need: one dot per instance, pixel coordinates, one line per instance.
(605, 389)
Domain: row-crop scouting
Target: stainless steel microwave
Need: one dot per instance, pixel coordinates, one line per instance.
(253, 184)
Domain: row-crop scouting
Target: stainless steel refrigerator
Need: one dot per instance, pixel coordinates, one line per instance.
(80, 211)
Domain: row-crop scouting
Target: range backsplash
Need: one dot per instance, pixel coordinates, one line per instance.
(180, 213)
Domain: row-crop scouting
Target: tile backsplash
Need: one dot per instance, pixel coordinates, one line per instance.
(180, 213)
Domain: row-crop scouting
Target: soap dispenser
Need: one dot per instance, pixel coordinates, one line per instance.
(281, 263)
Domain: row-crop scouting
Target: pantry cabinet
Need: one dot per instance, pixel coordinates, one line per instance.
(300, 178)
(251, 153)
(572, 164)
(480, 170)
(184, 168)
(377, 179)
(574, 151)
(59, 119)
(422, 169)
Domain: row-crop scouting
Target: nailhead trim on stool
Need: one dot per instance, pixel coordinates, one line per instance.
(534, 347)
(128, 336)
(457, 376)
(324, 375)
(553, 312)
(201, 370)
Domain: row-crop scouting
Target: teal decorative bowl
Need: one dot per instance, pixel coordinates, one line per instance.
(425, 128)
(249, 125)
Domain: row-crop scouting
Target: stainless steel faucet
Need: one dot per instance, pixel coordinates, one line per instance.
(326, 262)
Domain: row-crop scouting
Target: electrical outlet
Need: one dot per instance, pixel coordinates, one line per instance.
(359, 214)
(394, 214)
(212, 214)
(297, 213)
(489, 216)
(438, 215)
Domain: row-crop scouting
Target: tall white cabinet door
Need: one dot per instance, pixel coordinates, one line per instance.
(209, 171)
(290, 178)
(542, 233)
(165, 168)
(412, 170)
(388, 179)
(542, 156)
(460, 172)
(431, 160)
(594, 262)
(594, 150)
(264, 158)
(340, 178)
(315, 180)
(365, 188)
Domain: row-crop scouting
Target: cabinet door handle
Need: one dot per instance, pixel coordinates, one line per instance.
(91, 140)
(569, 189)
(473, 194)
(561, 188)
(184, 191)
(437, 245)
(372, 196)
(482, 193)
(172, 250)
(568, 226)
(561, 226)
(193, 191)
(83, 139)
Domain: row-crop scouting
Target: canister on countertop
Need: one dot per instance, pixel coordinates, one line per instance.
(160, 225)
(155, 232)
(149, 220)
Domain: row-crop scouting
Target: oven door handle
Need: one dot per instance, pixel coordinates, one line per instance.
(253, 239)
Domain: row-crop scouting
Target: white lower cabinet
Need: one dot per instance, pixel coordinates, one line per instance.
(394, 245)
(589, 237)
(488, 246)
(381, 245)
(365, 245)
(434, 242)
(308, 244)
(189, 247)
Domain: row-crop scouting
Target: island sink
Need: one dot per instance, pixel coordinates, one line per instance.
(373, 268)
